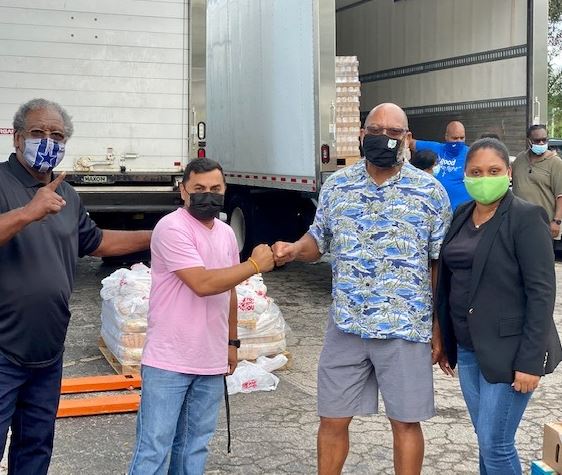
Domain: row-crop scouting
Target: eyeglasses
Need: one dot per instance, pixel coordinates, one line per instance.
(541, 140)
(392, 132)
(42, 134)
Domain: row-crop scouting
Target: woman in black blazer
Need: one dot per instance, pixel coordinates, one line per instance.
(495, 300)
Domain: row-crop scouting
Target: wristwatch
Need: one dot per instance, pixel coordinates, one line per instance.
(557, 221)
(235, 343)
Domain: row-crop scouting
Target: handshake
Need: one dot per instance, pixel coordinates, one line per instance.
(267, 257)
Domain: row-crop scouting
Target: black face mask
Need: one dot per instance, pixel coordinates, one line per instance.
(381, 150)
(205, 206)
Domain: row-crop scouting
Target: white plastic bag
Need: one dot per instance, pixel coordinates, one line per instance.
(125, 295)
(249, 377)
(133, 323)
(271, 364)
(252, 351)
(125, 355)
(252, 301)
(134, 282)
(270, 322)
(111, 284)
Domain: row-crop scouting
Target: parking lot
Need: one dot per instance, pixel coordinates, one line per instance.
(275, 433)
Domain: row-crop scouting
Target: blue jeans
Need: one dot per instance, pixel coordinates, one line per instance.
(496, 411)
(29, 399)
(176, 420)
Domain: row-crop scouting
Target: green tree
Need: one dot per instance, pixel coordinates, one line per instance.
(554, 66)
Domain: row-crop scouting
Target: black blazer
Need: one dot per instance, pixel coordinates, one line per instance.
(512, 293)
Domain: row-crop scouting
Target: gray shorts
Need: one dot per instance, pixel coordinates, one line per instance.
(352, 370)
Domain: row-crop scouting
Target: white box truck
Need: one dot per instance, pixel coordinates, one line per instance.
(131, 74)
(147, 80)
(271, 91)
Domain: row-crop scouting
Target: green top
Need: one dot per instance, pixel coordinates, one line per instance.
(538, 181)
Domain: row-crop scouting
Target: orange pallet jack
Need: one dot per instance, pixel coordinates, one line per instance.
(90, 406)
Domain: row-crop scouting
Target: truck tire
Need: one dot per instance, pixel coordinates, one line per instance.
(241, 220)
(268, 217)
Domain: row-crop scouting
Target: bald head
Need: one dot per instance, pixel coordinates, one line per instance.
(387, 115)
(454, 132)
(389, 120)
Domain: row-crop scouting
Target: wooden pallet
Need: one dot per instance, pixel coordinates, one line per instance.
(135, 369)
(114, 362)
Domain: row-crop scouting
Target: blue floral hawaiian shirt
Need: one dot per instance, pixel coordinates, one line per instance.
(382, 240)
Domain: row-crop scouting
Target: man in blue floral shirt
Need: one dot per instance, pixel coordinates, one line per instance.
(383, 222)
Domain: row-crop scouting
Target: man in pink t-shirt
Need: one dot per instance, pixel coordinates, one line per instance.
(191, 340)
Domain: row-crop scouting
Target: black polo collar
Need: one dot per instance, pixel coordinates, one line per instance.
(19, 171)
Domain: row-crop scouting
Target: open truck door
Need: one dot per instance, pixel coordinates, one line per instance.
(271, 87)
(481, 62)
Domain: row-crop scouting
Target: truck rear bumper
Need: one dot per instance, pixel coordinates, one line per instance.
(135, 200)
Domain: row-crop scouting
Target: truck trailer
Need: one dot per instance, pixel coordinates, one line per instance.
(271, 88)
(132, 76)
(152, 84)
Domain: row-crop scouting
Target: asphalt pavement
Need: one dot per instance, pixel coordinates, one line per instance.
(275, 432)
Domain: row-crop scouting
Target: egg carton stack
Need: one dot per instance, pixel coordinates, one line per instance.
(125, 296)
(348, 120)
(261, 327)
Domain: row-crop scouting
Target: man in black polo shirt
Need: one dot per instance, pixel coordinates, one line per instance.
(43, 230)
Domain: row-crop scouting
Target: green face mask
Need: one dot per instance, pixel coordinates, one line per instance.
(486, 189)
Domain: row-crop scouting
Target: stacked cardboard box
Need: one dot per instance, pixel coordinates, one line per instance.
(348, 122)
(551, 463)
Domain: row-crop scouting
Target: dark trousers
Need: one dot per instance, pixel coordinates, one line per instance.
(29, 399)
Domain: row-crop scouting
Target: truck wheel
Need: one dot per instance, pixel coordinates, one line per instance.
(238, 224)
(267, 218)
(241, 221)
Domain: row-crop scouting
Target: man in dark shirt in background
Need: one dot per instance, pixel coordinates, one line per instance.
(43, 230)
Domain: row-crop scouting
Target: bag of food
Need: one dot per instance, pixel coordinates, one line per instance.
(249, 377)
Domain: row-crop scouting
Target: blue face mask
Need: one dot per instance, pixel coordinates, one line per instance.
(452, 149)
(539, 149)
(43, 154)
